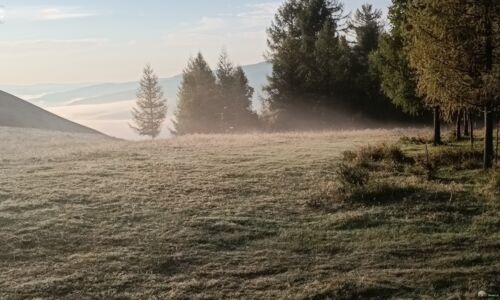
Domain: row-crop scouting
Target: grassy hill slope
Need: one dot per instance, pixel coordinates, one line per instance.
(250, 216)
(15, 112)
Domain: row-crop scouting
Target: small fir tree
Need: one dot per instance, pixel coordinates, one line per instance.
(151, 109)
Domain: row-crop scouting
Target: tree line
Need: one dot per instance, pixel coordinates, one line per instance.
(209, 102)
(443, 56)
(436, 56)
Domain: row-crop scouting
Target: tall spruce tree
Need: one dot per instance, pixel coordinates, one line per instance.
(390, 60)
(235, 96)
(367, 27)
(248, 118)
(198, 110)
(301, 38)
(151, 109)
(454, 49)
(226, 89)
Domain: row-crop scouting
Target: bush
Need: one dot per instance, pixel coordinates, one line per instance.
(458, 158)
(382, 192)
(352, 176)
(379, 153)
(415, 140)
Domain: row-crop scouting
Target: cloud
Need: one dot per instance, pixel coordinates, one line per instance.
(265, 9)
(210, 24)
(38, 13)
(207, 31)
(226, 30)
(57, 13)
(82, 41)
(259, 14)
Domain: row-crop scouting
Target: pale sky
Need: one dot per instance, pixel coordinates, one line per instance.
(56, 41)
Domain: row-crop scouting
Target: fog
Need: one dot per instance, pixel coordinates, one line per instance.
(112, 119)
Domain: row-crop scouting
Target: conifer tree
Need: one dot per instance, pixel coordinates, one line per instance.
(198, 109)
(295, 87)
(151, 109)
(397, 79)
(235, 96)
(226, 89)
(367, 27)
(390, 60)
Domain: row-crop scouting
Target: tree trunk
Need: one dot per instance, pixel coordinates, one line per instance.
(488, 138)
(488, 109)
(437, 126)
(497, 117)
(466, 122)
(471, 121)
(458, 127)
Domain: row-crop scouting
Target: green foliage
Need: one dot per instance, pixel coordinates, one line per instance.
(197, 110)
(316, 72)
(217, 103)
(390, 61)
(235, 97)
(461, 48)
(367, 26)
(151, 109)
(310, 59)
(454, 48)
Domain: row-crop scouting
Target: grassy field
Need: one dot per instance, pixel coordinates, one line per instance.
(250, 216)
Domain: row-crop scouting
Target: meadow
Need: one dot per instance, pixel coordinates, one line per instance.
(241, 216)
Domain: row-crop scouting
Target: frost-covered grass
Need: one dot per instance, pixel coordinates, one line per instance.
(238, 216)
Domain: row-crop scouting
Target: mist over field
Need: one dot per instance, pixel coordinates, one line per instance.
(107, 107)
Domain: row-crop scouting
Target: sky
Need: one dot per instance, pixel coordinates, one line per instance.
(77, 41)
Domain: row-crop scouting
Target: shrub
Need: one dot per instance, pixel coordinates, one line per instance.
(415, 140)
(378, 153)
(458, 158)
(351, 176)
(382, 192)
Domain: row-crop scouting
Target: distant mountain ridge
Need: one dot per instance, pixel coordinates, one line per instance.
(58, 95)
(15, 112)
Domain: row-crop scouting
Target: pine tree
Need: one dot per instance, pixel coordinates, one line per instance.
(151, 109)
(295, 87)
(367, 27)
(454, 49)
(226, 88)
(390, 60)
(235, 96)
(248, 119)
(198, 109)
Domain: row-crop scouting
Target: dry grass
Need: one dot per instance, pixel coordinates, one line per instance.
(230, 217)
